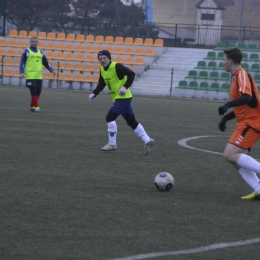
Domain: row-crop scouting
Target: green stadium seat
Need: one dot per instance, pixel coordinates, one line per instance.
(252, 47)
(242, 46)
(214, 86)
(203, 86)
(212, 65)
(183, 84)
(211, 55)
(255, 67)
(202, 75)
(245, 66)
(201, 65)
(193, 85)
(224, 76)
(192, 74)
(257, 78)
(220, 56)
(254, 57)
(231, 45)
(225, 87)
(245, 56)
(213, 75)
(220, 46)
(221, 66)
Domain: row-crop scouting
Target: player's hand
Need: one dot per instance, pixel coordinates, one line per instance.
(91, 96)
(54, 73)
(122, 91)
(222, 125)
(22, 75)
(223, 109)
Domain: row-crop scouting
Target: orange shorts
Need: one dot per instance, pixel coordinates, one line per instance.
(244, 136)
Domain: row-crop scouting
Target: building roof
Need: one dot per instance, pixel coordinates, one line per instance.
(218, 4)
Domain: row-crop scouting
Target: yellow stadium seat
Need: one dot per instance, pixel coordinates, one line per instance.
(110, 49)
(129, 40)
(60, 47)
(19, 53)
(41, 35)
(51, 46)
(90, 48)
(138, 41)
(12, 43)
(50, 55)
(79, 78)
(79, 57)
(109, 39)
(89, 78)
(68, 77)
(158, 43)
(8, 72)
(119, 40)
(69, 56)
(11, 52)
(9, 62)
(70, 37)
(3, 43)
(80, 48)
(119, 50)
(32, 34)
(148, 42)
(2, 52)
(149, 52)
(13, 33)
(129, 51)
(60, 37)
(70, 47)
(89, 38)
(139, 51)
(120, 59)
(99, 39)
(90, 58)
(97, 68)
(80, 38)
(22, 34)
(48, 75)
(22, 44)
(51, 36)
(79, 67)
(129, 61)
(69, 66)
(139, 61)
(41, 45)
(99, 48)
(59, 56)
(89, 67)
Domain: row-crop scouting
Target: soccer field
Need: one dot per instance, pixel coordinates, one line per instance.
(63, 198)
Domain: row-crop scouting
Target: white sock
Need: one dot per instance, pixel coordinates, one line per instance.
(249, 163)
(139, 130)
(250, 178)
(112, 131)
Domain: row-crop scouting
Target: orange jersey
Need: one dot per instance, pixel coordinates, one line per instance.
(241, 85)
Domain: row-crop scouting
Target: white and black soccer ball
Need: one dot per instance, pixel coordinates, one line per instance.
(164, 181)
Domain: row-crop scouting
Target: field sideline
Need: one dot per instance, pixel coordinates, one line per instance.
(63, 198)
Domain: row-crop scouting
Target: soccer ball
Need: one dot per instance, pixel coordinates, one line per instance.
(163, 181)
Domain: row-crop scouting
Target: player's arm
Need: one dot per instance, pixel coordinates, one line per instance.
(122, 71)
(46, 63)
(100, 86)
(222, 124)
(22, 62)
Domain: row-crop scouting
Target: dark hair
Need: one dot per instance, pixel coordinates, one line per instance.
(234, 54)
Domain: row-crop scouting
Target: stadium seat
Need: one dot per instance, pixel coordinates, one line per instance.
(120, 50)
(231, 45)
(254, 57)
(225, 87)
(69, 66)
(252, 47)
(89, 78)
(255, 67)
(214, 86)
(139, 61)
(22, 44)
(89, 39)
(42, 45)
(192, 74)
(41, 35)
(19, 53)
(245, 56)
(8, 73)
(96, 79)
(60, 65)
(201, 65)
(202, 75)
(119, 40)
(12, 43)
(120, 59)
(79, 57)
(50, 46)
(70, 37)
(90, 58)
(3, 43)
(9, 62)
(99, 39)
(211, 55)
(80, 38)
(69, 56)
(138, 41)
(158, 43)
(17, 63)
(59, 56)
(109, 40)
(212, 65)
(193, 85)
(203, 85)
(32, 34)
(51, 36)
(13, 33)
(22, 34)
(221, 66)
(183, 84)
(220, 55)
(60, 47)
(242, 46)
(149, 52)
(70, 47)
(99, 48)
(257, 78)
(128, 40)
(48, 75)
(60, 37)
(245, 66)
(129, 51)
(97, 68)
(80, 48)
(11, 52)
(79, 78)
(110, 49)
(213, 75)
(89, 67)
(90, 49)
(79, 67)
(68, 77)
(220, 46)
(148, 42)
(129, 61)
(224, 76)
(139, 52)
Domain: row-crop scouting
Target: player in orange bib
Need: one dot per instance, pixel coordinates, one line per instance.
(245, 102)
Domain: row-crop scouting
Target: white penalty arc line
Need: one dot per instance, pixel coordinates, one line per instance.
(192, 251)
(183, 143)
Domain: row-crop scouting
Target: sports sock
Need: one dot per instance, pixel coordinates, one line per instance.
(112, 132)
(250, 178)
(249, 163)
(34, 101)
(139, 130)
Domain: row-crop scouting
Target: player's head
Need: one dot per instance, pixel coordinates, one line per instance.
(232, 57)
(34, 41)
(104, 58)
